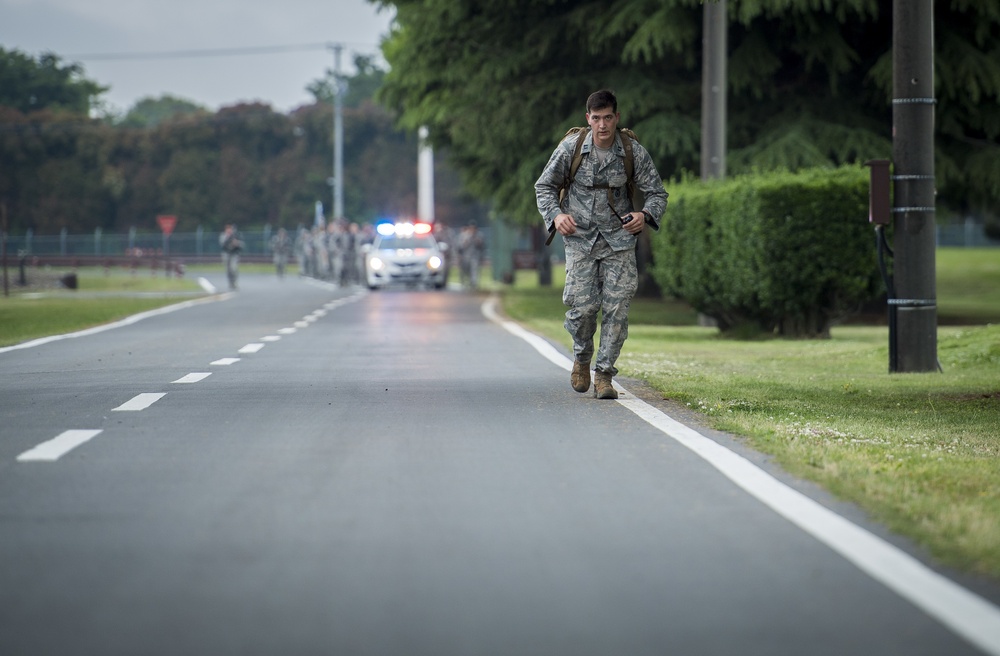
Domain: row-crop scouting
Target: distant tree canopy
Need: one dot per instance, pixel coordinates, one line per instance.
(809, 83)
(150, 112)
(30, 84)
(245, 164)
(359, 89)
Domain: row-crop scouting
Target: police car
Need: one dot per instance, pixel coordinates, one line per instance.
(405, 253)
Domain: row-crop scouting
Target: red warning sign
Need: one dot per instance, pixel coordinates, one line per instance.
(167, 222)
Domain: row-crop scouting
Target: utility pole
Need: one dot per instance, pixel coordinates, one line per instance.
(337, 181)
(913, 183)
(425, 178)
(3, 246)
(713, 90)
(713, 99)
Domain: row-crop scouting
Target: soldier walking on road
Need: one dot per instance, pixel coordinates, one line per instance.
(599, 228)
(471, 249)
(281, 249)
(303, 250)
(232, 246)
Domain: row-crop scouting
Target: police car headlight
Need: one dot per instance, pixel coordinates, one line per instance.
(434, 263)
(376, 264)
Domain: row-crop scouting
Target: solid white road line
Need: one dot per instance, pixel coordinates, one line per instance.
(140, 402)
(251, 348)
(222, 362)
(965, 613)
(193, 378)
(58, 446)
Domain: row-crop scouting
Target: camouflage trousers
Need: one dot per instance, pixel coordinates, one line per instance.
(599, 280)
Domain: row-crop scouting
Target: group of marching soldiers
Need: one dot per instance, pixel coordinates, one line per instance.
(332, 252)
(335, 253)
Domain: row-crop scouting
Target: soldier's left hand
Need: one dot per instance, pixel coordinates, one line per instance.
(635, 223)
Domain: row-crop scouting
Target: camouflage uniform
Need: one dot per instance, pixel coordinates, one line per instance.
(600, 256)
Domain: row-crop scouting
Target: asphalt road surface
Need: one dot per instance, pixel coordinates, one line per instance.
(296, 469)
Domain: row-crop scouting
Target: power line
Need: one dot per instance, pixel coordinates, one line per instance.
(209, 52)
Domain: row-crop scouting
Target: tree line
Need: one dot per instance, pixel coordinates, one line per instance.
(809, 84)
(497, 84)
(246, 164)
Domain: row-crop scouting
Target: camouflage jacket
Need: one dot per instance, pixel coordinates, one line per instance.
(587, 198)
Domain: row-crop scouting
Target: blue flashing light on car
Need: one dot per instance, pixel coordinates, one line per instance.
(406, 253)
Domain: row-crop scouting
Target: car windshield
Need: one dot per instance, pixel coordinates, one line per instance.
(395, 242)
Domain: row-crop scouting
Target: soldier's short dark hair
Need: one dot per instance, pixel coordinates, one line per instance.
(601, 99)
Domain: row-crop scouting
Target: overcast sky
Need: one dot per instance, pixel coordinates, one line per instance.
(79, 30)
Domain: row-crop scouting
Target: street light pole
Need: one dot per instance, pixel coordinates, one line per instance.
(337, 182)
(714, 46)
(425, 177)
(713, 91)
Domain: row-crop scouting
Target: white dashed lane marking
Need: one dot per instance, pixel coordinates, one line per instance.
(58, 446)
(68, 440)
(193, 378)
(140, 402)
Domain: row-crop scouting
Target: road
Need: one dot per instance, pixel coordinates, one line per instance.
(296, 469)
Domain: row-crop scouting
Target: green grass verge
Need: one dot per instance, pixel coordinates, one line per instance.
(101, 298)
(919, 452)
(968, 285)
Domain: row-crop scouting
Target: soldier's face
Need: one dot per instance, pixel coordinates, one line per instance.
(603, 122)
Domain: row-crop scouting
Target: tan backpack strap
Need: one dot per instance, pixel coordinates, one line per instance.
(627, 141)
(577, 155)
(574, 165)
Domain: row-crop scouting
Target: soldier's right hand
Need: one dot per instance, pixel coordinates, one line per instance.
(564, 224)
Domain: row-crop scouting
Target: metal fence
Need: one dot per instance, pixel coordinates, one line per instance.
(202, 243)
(100, 244)
(970, 234)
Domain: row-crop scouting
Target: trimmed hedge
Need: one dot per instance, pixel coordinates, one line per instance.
(785, 253)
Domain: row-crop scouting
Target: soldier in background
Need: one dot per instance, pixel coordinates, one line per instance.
(232, 246)
(281, 250)
(471, 249)
(352, 251)
(321, 257)
(303, 250)
(445, 238)
(335, 247)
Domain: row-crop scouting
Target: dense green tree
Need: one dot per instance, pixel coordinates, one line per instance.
(48, 170)
(359, 88)
(809, 84)
(246, 164)
(150, 112)
(52, 169)
(29, 84)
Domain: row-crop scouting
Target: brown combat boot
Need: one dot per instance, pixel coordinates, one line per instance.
(602, 386)
(580, 378)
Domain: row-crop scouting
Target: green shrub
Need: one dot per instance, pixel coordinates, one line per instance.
(777, 253)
